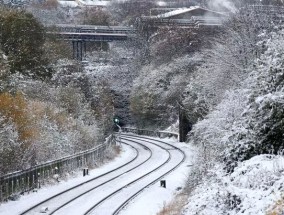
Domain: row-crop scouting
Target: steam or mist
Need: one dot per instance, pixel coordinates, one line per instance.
(221, 5)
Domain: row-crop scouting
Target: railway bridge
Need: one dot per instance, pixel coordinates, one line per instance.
(193, 17)
(80, 34)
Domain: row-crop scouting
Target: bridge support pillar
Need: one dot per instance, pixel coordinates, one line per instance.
(79, 48)
(84, 48)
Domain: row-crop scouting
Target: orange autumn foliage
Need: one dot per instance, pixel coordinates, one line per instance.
(41, 109)
(14, 108)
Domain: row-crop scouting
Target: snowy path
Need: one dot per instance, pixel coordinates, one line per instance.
(144, 160)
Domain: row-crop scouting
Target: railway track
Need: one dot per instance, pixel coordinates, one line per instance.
(127, 201)
(169, 149)
(90, 210)
(109, 193)
(36, 208)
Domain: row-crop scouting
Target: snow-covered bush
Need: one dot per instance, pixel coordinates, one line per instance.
(10, 158)
(211, 135)
(241, 142)
(18, 132)
(227, 63)
(260, 129)
(60, 133)
(45, 122)
(157, 90)
(255, 186)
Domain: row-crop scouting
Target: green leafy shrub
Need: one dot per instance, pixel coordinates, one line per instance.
(22, 38)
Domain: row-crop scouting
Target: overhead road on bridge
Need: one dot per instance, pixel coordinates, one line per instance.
(91, 37)
(80, 34)
(91, 29)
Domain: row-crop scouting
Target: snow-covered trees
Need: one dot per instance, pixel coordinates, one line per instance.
(95, 16)
(262, 121)
(169, 43)
(17, 133)
(56, 50)
(43, 123)
(157, 90)
(127, 11)
(71, 110)
(102, 104)
(241, 139)
(9, 146)
(22, 38)
(227, 62)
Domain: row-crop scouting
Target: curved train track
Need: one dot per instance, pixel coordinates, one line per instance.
(101, 184)
(89, 211)
(43, 203)
(153, 181)
(122, 206)
(148, 178)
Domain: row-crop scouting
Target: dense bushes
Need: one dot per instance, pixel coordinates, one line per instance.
(157, 91)
(22, 38)
(249, 119)
(41, 118)
(36, 130)
(49, 108)
(241, 139)
(18, 132)
(263, 121)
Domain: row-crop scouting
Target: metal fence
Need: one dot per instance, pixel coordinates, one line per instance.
(160, 134)
(24, 181)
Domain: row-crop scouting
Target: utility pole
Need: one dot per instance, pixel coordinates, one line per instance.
(116, 122)
(119, 135)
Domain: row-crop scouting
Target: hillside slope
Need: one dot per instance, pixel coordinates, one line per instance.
(240, 166)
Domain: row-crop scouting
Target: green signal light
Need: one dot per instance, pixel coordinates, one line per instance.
(116, 120)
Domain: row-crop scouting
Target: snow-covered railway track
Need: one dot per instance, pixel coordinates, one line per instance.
(127, 201)
(60, 198)
(116, 200)
(113, 178)
(148, 161)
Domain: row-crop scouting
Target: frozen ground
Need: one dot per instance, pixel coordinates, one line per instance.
(15, 207)
(149, 202)
(152, 200)
(254, 188)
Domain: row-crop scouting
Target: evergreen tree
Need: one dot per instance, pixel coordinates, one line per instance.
(22, 38)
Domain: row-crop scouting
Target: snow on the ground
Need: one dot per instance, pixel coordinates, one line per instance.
(81, 205)
(28, 200)
(152, 200)
(149, 202)
(255, 188)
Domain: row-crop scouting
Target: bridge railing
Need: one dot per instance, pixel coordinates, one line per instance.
(160, 134)
(26, 180)
(91, 29)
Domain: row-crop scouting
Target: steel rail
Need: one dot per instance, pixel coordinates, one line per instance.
(89, 211)
(122, 206)
(80, 184)
(73, 199)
